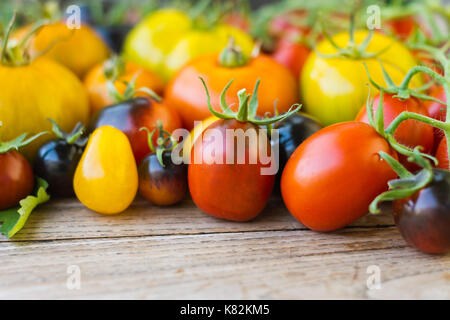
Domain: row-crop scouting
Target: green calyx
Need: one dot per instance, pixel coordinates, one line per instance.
(114, 69)
(352, 50)
(232, 56)
(247, 107)
(18, 142)
(14, 53)
(164, 143)
(407, 184)
(73, 137)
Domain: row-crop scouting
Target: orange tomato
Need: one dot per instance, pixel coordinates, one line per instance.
(77, 49)
(96, 83)
(186, 93)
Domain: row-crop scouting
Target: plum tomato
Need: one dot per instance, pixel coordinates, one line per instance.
(332, 177)
(161, 181)
(57, 160)
(131, 115)
(424, 218)
(410, 133)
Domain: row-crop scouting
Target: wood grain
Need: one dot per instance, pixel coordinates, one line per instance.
(179, 252)
(69, 219)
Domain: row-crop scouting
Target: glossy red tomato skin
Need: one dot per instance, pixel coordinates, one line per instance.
(410, 133)
(236, 192)
(292, 55)
(437, 110)
(442, 155)
(130, 116)
(16, 179)
(332, 177)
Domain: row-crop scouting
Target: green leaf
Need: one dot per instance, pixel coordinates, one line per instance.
(15, 218)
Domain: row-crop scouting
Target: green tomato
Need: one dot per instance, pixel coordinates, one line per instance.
(166, 39)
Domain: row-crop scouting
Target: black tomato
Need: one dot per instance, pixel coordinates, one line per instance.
(424, 218)
(162, 186)
(57, 160)
(292, 132)
(160, 180)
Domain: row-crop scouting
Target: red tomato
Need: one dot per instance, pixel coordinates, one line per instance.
(442, 155)
(16, 179)
(292, 55)
(334, 175)
(237, 192)
(402, 27)
(287, 23)
(437, 110)
(410, 133)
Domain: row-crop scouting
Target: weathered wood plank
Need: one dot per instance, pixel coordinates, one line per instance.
(249, 265)
(69, 219)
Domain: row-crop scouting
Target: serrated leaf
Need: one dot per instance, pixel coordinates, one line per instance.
(15, 218)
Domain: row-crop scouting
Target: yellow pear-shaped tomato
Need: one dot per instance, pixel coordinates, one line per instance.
(334, 89)
(166, 39)
(32, 93)
(77, 49)
(106, 179)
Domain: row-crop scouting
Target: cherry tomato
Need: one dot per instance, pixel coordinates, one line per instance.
(442, 155)
(106, 179)
(402, 27)
(57, 160)
(237, 192)
(437, 110)
(16, 179)
(410, 133)
(131, 115)
(332, 177)
(292, 55)
(186, 94)
(163, 186)
(424, 218)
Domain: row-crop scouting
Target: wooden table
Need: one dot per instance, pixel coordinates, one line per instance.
(179, 252)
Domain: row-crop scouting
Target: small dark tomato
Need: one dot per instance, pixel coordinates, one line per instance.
(424, 218)
(163, 186)
(16, 179)
(292, 132)
(56, 163)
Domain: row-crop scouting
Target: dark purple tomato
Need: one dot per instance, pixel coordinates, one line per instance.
(56, 163)
(163, 186)
(292, 132)
(424, 218)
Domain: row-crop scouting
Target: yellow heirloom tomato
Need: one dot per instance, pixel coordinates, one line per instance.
(106, 179)
(166, 39)
(334, 85)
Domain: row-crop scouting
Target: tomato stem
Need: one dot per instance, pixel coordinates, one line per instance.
(232, 56)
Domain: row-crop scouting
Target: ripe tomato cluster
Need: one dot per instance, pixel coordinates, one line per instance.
(173, 115)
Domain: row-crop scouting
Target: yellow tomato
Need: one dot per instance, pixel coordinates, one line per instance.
(106, 179)
(77, 49)
(335, 89)
(34, 92)
(166, 39)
